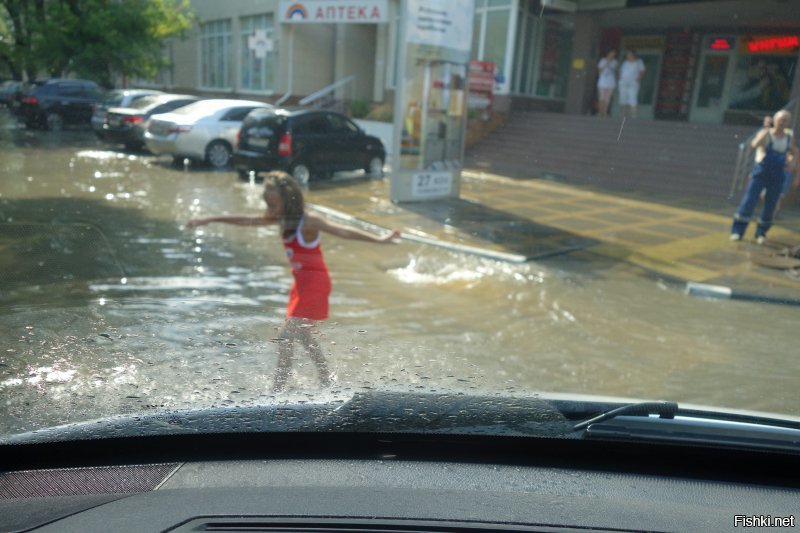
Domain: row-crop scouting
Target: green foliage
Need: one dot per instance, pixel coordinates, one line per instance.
(359, 108)
(94, 39)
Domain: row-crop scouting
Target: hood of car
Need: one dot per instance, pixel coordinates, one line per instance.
(377, 412)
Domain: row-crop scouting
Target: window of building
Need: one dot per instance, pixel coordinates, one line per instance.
(215, 54)
(762, 82)
(528, 25)
(257, 73)
(395, 40)
(164, 77)
(490, 34)
(551, 72)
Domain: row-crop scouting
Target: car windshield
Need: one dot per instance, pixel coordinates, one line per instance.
(495, 198)
(113, 98)
(145, 101)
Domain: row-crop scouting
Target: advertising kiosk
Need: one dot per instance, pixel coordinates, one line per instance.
(430, 110)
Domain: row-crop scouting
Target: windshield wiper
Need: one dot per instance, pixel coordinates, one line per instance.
(635, 422)
(663, 409)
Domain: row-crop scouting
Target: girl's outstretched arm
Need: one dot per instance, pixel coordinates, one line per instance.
(315, 223)
(236, 220)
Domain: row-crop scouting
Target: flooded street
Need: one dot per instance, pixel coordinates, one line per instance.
(108, 305)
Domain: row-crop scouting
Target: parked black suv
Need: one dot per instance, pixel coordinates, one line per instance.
(58, 102)
(306, 143)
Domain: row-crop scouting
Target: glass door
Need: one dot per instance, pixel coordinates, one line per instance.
(648, 87)
(711, 92)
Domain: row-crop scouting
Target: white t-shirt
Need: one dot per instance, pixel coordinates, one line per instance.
(629, 73)
(778, 144)
(608, 77)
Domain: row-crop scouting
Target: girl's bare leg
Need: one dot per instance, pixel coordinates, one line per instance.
(286, 339)
(293, 331)
(315, 353)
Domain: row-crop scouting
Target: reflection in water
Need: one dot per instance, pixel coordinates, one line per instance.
(196, 321)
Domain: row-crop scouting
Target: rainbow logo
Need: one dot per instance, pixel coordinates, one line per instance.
(296, 11)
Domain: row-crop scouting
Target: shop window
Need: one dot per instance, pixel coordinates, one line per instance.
(554, 59)
(494, 49)
(490, 35)
(762, 82)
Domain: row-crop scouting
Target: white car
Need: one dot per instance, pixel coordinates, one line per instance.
(203, 131)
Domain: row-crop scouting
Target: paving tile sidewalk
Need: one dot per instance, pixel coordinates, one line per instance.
(535, 220)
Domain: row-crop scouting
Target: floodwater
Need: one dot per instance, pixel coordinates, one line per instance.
(108, 305)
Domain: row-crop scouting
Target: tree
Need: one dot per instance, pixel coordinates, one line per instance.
(19, 21)
(94, 39)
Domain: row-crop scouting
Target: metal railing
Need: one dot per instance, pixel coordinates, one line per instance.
(326, 96)
(744, 159)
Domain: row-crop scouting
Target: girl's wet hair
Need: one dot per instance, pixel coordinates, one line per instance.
(291, 196)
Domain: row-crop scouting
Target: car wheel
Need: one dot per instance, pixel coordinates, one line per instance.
(54, 122)
(301, 173)
(218, 154)
(375, 167)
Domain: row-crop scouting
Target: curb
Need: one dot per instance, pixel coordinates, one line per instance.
(704, 290)
(431, 241)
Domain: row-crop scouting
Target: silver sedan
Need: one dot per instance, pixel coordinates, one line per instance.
(203, 131)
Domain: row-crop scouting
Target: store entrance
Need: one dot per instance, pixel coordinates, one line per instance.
(711, 93)
(648, 87)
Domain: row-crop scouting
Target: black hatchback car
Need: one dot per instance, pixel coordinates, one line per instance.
(306, 143)
(58, 102)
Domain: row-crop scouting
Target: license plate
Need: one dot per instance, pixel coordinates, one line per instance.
(258, 143)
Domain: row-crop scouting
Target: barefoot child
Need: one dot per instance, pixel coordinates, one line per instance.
(308, 297)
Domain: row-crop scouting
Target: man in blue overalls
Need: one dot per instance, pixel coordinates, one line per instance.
(774, 147)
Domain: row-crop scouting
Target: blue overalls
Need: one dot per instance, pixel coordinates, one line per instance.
(767, 174)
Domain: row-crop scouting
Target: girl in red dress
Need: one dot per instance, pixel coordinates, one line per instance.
(308, 297)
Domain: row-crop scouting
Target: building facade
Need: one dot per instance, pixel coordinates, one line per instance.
(718, 61)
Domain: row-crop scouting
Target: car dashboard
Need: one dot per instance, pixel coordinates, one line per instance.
(389, 482)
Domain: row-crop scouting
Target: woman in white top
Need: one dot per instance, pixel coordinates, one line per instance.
(606, 82)
(630, 76)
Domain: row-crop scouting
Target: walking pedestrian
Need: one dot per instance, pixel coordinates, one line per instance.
(308, 297)
(630, 77)
(606, 81)
(775, 151)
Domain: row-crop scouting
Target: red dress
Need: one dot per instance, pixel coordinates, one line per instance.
(308, 297)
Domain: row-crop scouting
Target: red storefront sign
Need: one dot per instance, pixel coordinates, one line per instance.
(771, 44)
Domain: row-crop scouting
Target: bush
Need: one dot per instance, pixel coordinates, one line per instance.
(359, 108)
